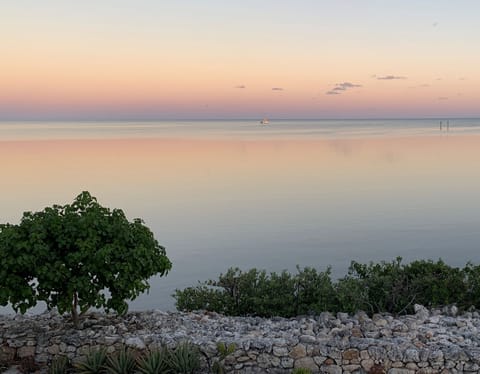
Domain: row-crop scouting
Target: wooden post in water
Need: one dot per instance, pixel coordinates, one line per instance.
(440, 125)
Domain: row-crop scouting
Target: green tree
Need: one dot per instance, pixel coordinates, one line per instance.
(77, 256)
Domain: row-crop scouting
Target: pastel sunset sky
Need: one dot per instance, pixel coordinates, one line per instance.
(159, 59)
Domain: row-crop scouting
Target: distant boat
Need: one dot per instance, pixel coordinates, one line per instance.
(264, 121)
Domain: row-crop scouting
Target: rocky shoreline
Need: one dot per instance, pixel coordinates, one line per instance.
(438, 341)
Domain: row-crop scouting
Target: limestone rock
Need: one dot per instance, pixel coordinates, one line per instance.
(298, 351)
(306, 362)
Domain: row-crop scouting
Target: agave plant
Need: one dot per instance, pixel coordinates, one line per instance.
(155, 361)
(122, 362)
(301, 371)
(59, 365)
(185, 359)
(218, 366)
(225, 350)
(94, 362)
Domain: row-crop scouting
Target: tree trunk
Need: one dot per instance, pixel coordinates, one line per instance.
(75, 310)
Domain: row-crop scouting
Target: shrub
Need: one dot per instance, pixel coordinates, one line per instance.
(380, 287)
(436, 283)
(201, 297)
(472, 285)
(69, 256)
(392, 287)
(315, 292)
(395, 287)
(257, 293)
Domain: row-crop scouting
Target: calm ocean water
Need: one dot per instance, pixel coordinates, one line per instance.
(236, 193)
(236, 129)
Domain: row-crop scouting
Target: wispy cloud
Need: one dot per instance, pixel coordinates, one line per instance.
(346, 85)
(340, 87)
(241, 86)
(435, 24)
(390, 77)
(442, 98)
(277, 89)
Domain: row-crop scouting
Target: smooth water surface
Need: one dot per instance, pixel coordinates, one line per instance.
(235, 193)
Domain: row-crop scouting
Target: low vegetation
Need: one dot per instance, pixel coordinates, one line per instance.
(184, 359)
(218, 366)
(301, 371)
(93, 363)
(392, 287)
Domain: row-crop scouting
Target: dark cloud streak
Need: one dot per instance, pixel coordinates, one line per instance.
(341, 87)
(390, 77)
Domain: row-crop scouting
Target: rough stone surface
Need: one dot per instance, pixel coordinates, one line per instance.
(428, 342)
(306, 362)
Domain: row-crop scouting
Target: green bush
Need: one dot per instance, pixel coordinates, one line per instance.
(202, 298)
(436, 283)
(395, 287)
(257, 293)
(376, 287)
(472, 285)
(315, 291)
(392, 287)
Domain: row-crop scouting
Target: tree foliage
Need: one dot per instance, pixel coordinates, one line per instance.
(392, 287)
(77, 256)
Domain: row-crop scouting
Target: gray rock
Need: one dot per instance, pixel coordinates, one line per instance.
(331, 369)
(309, 339)
(421, 312)
(306, 362)
(280, 351)
(377, 353)
(411, 355)
(286, 362)
(401, 371)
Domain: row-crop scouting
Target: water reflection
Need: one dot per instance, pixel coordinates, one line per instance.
(264, 203)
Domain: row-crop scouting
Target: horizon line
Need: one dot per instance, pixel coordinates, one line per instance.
(237, 119)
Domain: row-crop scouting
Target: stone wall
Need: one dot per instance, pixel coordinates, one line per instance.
(427, 342)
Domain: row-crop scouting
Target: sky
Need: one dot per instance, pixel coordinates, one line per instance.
(192, 59)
